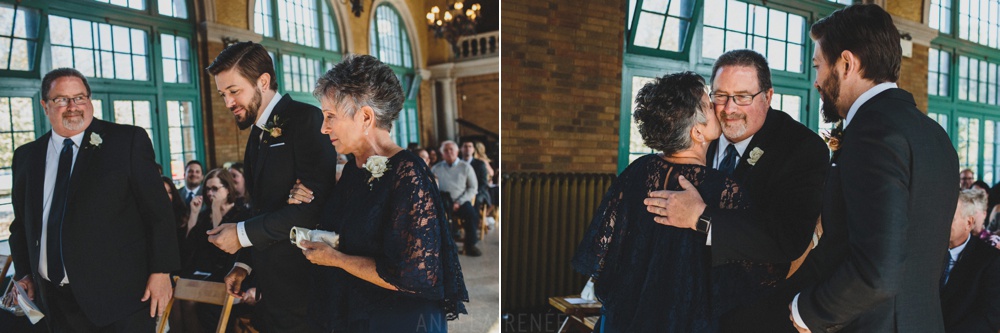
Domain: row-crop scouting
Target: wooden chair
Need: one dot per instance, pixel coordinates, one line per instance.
(584, 316)
(201, 292)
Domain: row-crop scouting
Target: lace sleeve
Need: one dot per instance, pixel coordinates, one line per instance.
(592, 253)
(419, 256)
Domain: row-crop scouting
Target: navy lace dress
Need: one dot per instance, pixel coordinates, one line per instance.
(656, 278)
(399, 221)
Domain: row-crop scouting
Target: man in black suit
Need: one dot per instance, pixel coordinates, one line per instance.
(93, 231)
(777, 160)
(970, 292)
(889, 198)
(285, 144)
(193, 175)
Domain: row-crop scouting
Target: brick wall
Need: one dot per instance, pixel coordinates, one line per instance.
(913, 75)
(478, 102)
(562, 64)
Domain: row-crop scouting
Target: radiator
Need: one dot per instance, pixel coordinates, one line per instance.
(544, 218)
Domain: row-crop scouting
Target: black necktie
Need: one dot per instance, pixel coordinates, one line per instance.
(57, 211)
(728, 163)
(190, 196)
(947, 270)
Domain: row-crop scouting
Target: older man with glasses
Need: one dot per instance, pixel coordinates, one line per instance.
(779, 162)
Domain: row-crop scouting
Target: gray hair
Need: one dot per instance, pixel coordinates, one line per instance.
(359, 81)
(971, 202)
(447, 142)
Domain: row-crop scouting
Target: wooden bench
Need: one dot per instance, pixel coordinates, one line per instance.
(583, 315)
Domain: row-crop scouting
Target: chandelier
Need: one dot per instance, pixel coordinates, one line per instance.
(453, 22)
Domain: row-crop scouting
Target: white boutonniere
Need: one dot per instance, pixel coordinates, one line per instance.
(95, 140)
(755, 155)
(377, 166)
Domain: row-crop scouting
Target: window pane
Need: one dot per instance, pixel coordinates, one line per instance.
(392, 45)
(262, 18)
(790, 104)
(176, 55)
(173, 8)
(940, 15)
(16, 128)
(297, 20)
(637, 147)
(977, 80)
(179, 116)
(776, 34)
(136, 113)
(978, 21)
(18, 37)
(119, 52)
(134, 4)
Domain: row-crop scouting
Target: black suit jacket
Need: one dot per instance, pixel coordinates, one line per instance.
(971, 299)
(785, 187)
(118, 229)
(888, 205)
(272, 166)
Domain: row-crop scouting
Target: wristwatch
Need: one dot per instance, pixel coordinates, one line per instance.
(704, 223)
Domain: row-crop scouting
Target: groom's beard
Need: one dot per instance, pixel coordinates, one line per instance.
(829, 91)
(250, 116)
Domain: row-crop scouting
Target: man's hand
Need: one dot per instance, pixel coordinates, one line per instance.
(224, 237)
(234, 280)
(27, 284)
(792, 318)
(679, 209)
(158, 293)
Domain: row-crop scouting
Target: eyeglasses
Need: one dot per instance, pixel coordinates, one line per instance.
(64, 101)
(210, 189)
(741, 100)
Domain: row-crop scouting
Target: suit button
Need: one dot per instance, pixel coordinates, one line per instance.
(36, 243)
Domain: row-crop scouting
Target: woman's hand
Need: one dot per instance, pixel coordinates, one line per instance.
(300, 194)
(321, 253)
(196, 203)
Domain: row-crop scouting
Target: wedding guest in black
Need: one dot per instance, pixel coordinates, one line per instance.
(970, 292)
(396, 268)
(202, 260)
(239, 183)
(176, 202)
(656, 278)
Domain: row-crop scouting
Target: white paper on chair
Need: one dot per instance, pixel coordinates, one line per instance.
(576, 300)
(298, 234)
(29, 307)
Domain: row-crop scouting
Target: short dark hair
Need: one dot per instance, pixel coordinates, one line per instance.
(57, 73)
(227, 181)
(250, 59)
(238, 166)
(747, 58)
(194, 162)
(867, 31)
(667, 108)
(365, 81)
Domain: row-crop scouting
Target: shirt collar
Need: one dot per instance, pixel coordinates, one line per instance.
(958, 249)
(720, 152)
(264, 116)
(195, 189)
(877, 89)
(57, 140)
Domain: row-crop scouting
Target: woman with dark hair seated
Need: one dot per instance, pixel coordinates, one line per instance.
(654, 278)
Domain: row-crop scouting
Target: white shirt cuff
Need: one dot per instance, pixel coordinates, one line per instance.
(795, 312)
(709, 241)
(243, 266)
(241, 233)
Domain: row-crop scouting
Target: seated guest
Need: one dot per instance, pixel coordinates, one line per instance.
(192, 181)
(203, 260)
(970, 293)
(176, 202)
(459, 187)
(239, 183)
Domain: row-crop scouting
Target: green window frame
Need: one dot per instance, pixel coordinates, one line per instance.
(390, 42)
(300, 37)
(777, 34)
(662, 27)
(966, 101)
(130, 39)
(19, 38)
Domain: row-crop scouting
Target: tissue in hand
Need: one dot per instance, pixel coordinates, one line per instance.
(298, 234)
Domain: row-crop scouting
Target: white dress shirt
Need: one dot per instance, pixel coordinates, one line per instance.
(864, 98)
(51, 171)
(241, 231)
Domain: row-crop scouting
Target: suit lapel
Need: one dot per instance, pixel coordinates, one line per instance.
(760, 140)
(81, 167)
(265, 141)
(36, 174)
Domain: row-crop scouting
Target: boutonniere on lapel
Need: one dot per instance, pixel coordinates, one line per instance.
(95, 140)
(755, 155)
(376, 165)
(273, 127)
(834, 136)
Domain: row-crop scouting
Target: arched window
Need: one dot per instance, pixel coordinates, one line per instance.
(390, 42)
(303, 38)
